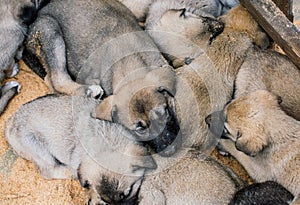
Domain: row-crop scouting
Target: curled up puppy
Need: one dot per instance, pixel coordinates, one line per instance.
(63, 141)
(262, 137)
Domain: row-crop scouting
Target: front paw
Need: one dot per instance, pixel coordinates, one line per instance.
(94, 91)
(11, 85)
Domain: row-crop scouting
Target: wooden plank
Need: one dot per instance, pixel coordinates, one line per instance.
(286, 6)
(276, 24)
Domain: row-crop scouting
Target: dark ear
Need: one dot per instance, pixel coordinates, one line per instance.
(40, 3)
(26, 12)
(105, 109)
(169, 96)
(279, 100)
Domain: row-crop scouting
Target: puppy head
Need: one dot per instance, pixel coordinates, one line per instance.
(185, 24)
(239, 19)
(106, 186)
(147, 108)
(245, 121)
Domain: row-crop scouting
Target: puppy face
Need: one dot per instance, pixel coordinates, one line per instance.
(244, 121)
(120, 183)
(150, 114)
(147, 107)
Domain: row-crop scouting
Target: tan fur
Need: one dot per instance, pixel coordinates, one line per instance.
(206, 84)
(193, 179)
(268, 139)
(138, 100)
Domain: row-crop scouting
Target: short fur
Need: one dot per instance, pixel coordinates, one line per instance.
(192, 179)
(58, 134)
(106, 159)
(15, 15)
(139, 8)
(264, 139)
(265, 193)
(207, 82)
(100, 43)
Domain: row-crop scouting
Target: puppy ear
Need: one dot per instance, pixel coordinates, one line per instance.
(104, 110)
(169, 97)
(142, 160)
(163, 77)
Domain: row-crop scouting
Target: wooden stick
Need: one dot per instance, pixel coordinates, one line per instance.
(277, 26)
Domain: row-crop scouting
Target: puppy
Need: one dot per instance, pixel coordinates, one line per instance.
(15, 17)
(183, 22)
(101, 45)
(60, 137)
(214, 50)
(264, 193)
(263, 138)
(193, 179)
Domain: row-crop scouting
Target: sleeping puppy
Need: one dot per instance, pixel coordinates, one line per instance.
(15, 16)
(60, 137)
(100, 43)
(262, 137)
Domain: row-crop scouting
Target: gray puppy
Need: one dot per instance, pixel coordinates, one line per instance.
(15, 15)
(193, 179)
(101, 43)
(63, 141)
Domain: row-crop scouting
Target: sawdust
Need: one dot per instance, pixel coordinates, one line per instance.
(21, 183)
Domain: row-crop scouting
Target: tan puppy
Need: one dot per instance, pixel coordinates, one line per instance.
(206, 83)
(58, 134)
(265, 140)
(193, 179)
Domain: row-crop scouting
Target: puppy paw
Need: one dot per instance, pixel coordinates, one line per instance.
(11, 85)
(95, 91)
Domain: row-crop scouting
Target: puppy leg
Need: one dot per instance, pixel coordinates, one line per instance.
(29, 146)
(7, 93)
(46, 41)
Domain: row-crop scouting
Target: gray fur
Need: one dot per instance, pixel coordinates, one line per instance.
(63, 141)
(58, 134)
(15, 15)
(102, 44)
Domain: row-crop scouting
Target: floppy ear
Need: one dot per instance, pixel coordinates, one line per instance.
(141, 159)
(104, 110)
(169, 96)
(163, 77)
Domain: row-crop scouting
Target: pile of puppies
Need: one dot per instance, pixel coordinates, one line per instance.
(124, 101)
